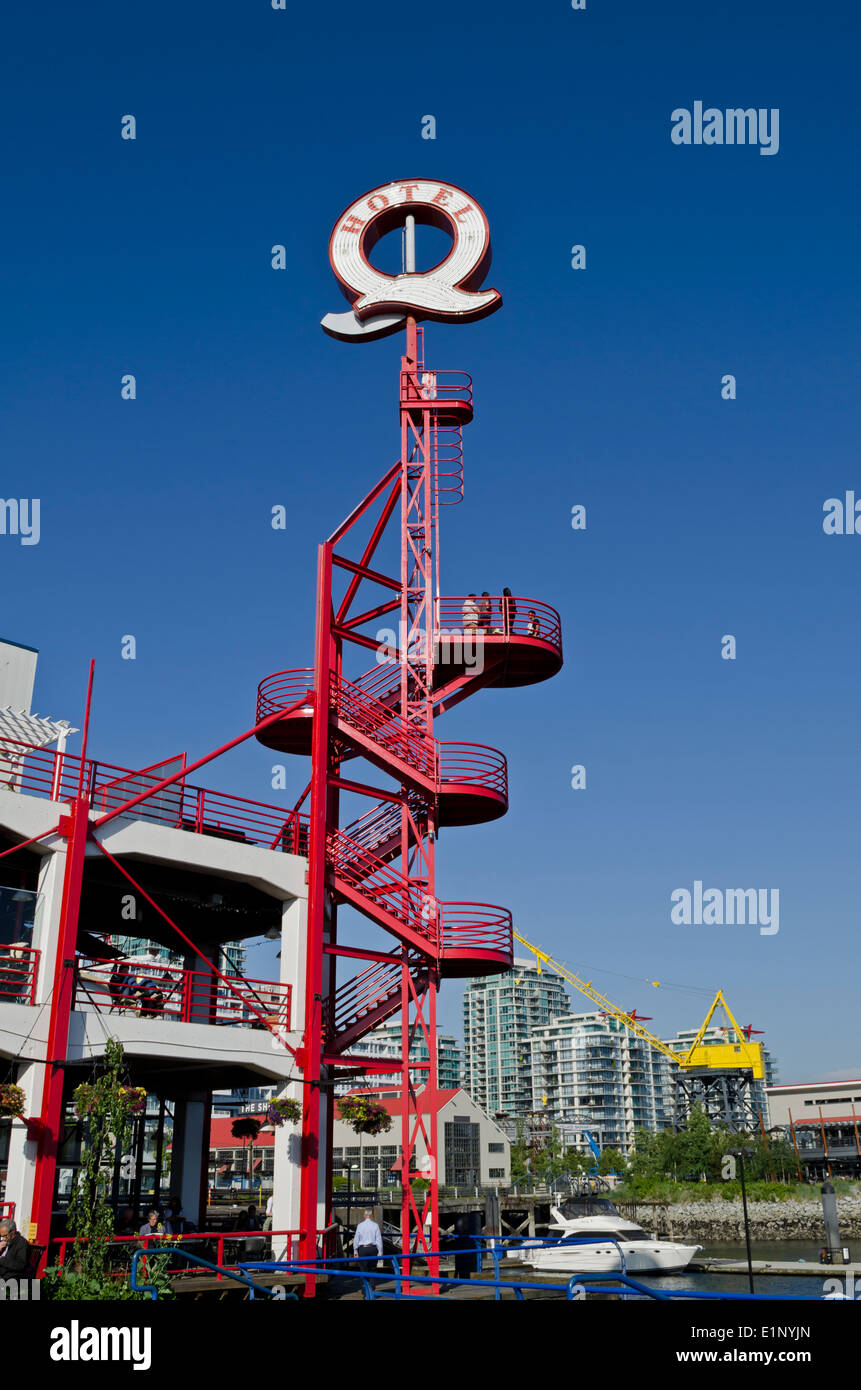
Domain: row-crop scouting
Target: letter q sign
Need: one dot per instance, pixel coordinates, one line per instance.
(448, 291)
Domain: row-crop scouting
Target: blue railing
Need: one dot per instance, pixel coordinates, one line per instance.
(253, 1288)
(574, 1287)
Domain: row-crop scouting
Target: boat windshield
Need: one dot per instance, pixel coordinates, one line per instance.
(573, 1207)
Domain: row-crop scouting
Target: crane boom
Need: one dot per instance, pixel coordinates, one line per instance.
(741, 1054)
(586, 987)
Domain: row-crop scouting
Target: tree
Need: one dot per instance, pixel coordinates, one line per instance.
(611, 1161)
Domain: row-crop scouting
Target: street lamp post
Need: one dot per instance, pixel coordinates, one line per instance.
(740, 1155)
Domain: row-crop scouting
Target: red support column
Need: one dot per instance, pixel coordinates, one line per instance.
(75, 828)
(313, 1116)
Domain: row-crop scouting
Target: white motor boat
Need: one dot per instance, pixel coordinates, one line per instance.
(610, 1236)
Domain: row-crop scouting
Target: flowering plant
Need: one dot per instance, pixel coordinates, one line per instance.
(364, 1115)
(135, 1098)
(281, 1110)
(12, 1099)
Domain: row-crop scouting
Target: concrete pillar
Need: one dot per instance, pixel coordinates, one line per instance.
(31, 1071)
(21, 1169)
(286, 1182)
(46, 924)
(190, 1145)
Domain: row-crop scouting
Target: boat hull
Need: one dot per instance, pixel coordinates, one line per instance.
(641, 1257)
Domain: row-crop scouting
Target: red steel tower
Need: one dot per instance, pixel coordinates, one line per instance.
(436, 651)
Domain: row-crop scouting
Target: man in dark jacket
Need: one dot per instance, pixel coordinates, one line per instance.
(14, 1251)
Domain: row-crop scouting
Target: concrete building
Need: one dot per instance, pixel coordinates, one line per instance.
(500, 1013)
(385, 1041)
(592, 1076)
(222, 869)
(473, 1150)
(822, 1119)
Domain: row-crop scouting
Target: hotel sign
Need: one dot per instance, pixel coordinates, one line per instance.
(449, 291)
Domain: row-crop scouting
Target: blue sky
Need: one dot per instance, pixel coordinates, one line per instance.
(599, 387)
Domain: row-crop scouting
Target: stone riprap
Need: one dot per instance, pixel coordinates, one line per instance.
(720, 1220)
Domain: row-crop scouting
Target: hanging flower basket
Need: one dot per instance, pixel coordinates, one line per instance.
(135, 1098)
(12, 1099)
(365, 1116)
(280, 1111)
(84, 1098)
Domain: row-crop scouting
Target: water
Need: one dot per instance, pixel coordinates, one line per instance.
(794, 1286)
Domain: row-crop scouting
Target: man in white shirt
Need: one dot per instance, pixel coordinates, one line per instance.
(368, 1242)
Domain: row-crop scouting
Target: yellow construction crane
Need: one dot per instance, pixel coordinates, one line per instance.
(740, 1054)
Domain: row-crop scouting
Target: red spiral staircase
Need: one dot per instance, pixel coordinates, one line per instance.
(382, 863)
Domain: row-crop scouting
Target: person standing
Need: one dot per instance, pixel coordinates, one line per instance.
(368, 1242)
(470, 614)
(485, 610)
(509, 611)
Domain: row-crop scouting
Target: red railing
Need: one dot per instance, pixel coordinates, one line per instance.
(446, 926)
(378, 987)
(384, 727)
(474, 764)
(158, 1244)
(45, 772)
(283, 689)
(399, 897)
(470, 927)
(180, 996)
(512, 616)
(357, 996)
(437, 386)
(19, 966)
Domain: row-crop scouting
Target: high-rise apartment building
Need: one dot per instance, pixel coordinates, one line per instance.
(385, 1041)
(500, 1013)
(592, 1077)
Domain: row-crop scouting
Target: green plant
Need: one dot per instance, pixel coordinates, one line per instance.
(106, 1106)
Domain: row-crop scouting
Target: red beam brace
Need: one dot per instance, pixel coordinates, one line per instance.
(360, 953)
(365, 572)
(369, 499)
(370, 614)
(24, 843)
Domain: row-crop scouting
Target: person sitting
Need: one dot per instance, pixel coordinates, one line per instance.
(125, 1224)
(485, 610)
(532, 628)
(120, 987)
(470, 614)
(150, 997)
(253, 1219)
(14, 1251)
(153, 1225)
